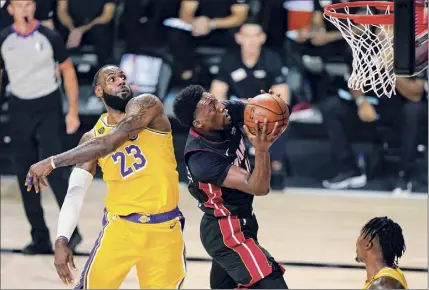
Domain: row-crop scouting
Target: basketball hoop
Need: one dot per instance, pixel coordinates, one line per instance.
(370, 37)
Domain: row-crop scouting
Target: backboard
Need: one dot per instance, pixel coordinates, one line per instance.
(410, 36)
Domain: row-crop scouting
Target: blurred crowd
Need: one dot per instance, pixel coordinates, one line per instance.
(235, 48)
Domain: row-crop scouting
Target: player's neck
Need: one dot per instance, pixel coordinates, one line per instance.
(250, 58)
(114, 117)
(373, 267)
(25, 28)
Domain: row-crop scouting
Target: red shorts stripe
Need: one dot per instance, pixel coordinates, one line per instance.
(251, 255)
(215, 201)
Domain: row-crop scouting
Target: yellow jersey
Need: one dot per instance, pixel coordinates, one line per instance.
(393, 273)
(141, 174)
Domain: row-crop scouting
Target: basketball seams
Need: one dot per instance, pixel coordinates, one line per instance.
(278, 104)
(280, 107)
(259, 106)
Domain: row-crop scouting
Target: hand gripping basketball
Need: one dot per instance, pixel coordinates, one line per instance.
(266, 106)
(261, 140)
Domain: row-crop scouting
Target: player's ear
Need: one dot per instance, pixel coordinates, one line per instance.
(197, 124)
(368, 246)
(98, 91)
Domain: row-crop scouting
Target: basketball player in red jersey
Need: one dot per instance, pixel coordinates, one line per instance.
(222, 181)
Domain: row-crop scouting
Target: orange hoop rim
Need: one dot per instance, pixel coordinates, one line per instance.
(384, 19)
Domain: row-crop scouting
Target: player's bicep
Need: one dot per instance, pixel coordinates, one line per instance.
(139, 113)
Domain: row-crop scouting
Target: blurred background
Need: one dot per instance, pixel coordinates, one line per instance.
(234, 48)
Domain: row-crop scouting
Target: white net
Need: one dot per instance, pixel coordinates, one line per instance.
(372, 47)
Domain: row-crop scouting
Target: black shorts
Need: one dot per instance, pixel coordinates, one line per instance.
(238, 259)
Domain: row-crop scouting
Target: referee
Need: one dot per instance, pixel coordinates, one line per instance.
(29, 53)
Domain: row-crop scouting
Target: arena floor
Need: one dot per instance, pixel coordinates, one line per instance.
(312, 231)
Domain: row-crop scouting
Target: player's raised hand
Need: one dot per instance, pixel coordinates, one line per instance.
(271, 92)
(262, 140)
(37, 174)
(64, 262)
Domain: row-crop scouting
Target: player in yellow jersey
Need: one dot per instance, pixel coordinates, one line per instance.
(379, 246)
(142, 225)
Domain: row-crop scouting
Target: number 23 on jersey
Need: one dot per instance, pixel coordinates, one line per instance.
(131, 151)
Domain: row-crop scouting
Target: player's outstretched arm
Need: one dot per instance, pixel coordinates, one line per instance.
(386, 283)
(80, 180)
(139, 113)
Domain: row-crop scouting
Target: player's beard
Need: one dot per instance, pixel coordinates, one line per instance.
(115, 102)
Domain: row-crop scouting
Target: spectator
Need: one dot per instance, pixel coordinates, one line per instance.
(405, 111)
(36, 113)
(212, 21)
(89, 22)
(142, 22)
(245, 72)
(45, 12)
(321, 39)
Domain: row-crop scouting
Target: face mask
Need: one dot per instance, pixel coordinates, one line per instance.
(115, 102)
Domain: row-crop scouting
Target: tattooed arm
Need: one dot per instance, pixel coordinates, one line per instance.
(386, 283)
(90, 166)
(140, 111)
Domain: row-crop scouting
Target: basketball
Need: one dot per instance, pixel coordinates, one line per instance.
(271, 107)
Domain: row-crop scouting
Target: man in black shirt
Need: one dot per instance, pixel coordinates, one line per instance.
(212, 22)
(89, 22)
(221, 179)
(244, 72)
(404, 112)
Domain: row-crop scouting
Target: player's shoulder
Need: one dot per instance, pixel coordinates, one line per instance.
(233, 103)
(143, 103)
(87, 136)
(386, 282)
